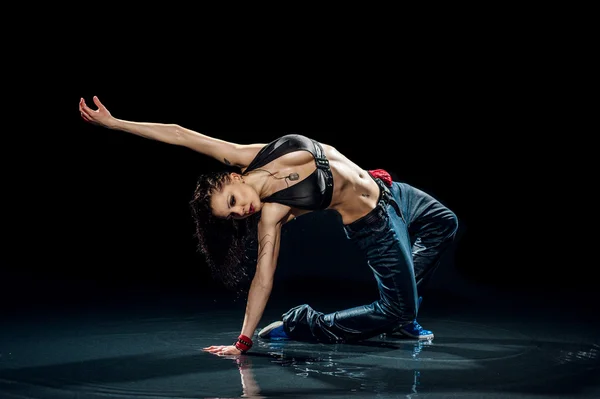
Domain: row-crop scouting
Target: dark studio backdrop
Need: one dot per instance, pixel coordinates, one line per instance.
(94, 214)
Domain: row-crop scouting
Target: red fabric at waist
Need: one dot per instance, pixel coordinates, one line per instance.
(383, 175)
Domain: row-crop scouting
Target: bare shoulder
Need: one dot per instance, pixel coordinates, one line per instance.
(274, 214)
(245, 154)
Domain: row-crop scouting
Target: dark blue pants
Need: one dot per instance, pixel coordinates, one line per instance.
(403, 239)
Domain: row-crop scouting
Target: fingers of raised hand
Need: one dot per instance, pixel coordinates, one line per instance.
(85, 107)
(98, 103)
(86, 112)
(83, 113)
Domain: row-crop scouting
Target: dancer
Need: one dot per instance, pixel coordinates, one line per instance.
(401, 230)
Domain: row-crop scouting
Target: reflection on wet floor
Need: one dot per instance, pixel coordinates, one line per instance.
(126, 353)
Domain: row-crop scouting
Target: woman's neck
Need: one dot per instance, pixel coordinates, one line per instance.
(261, 180)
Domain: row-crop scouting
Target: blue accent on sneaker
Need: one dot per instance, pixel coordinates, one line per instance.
(414, 330)
(273, 331)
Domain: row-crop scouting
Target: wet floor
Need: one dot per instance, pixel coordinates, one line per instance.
(151, 348)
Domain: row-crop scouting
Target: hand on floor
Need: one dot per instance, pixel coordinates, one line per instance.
(223, 350)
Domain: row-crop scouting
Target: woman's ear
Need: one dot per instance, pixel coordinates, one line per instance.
(236, 176)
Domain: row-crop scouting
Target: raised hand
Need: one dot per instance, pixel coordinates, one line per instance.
(223, 350)
(101, 116)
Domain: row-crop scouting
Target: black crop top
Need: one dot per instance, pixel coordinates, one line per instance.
(312, 193)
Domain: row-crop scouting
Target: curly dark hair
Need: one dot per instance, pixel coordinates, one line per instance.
(225, 243)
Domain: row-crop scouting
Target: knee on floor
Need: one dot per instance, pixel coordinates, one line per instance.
(451, 223)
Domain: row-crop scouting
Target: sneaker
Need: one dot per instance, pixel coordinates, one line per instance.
(414, 330)
(273, 331)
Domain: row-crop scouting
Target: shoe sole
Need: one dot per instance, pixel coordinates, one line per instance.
(265, 331)
(419, 337)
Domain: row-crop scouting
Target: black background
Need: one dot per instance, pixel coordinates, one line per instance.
(92, 213)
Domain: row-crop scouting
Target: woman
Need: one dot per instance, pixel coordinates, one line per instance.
(401, 230)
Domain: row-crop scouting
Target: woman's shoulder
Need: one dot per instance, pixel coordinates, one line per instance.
(273, 213)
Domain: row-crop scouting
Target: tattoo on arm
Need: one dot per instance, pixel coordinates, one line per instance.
(226, 161)
(261, 247)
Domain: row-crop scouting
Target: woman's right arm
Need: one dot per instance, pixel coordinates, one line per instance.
(229, 153)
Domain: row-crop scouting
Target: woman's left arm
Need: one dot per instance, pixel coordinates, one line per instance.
(273, 216)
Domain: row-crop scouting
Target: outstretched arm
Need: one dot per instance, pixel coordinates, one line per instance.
(269, 234)
(239, 155)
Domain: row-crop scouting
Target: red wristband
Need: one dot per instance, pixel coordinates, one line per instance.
(243, 343)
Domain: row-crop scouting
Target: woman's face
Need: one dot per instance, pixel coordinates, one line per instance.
(236, 199)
